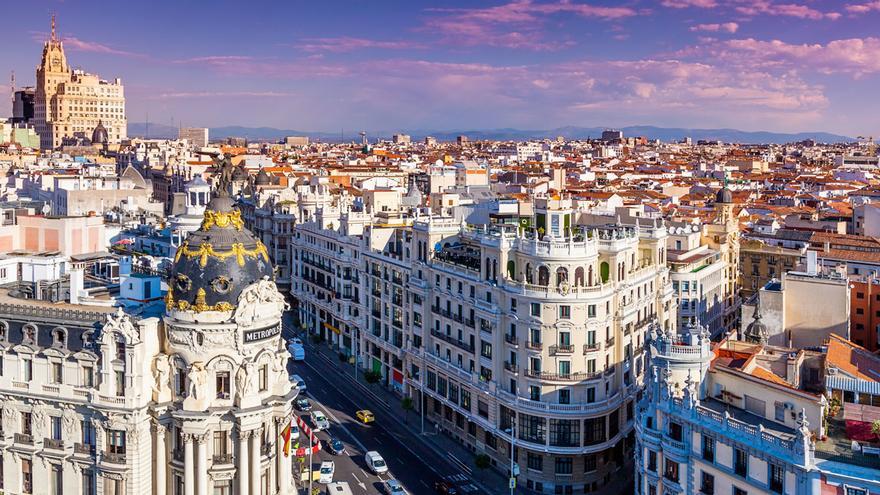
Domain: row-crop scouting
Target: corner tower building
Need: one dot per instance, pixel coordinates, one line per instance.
(71, 103)
(222, 395)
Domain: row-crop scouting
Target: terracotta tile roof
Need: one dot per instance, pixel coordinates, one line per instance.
(769, 376)
(852, 359)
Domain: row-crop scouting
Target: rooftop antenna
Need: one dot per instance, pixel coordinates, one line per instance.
(53, 37)
(12, 89)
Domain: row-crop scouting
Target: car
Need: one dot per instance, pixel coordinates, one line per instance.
(302, 404)
(294, 432)
(445, 487)
(335, 446)
(319, 421)
(365, 416)
(327, 470)
(298, 382)
(339, 488)
(375, 462)
(297, 353)
(295, 341)
(393, 487)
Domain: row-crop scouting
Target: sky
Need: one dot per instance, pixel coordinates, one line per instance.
(346, 65)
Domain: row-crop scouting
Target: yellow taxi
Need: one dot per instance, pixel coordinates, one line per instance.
(365, 416)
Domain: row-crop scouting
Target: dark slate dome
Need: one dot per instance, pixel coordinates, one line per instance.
(724, 195)
(240, 174)
(217, 262)
(99, 135)
(263, 178)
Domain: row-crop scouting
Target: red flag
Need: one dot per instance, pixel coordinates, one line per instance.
(285, 434)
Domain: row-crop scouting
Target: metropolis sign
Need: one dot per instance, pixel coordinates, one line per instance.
(251, 336)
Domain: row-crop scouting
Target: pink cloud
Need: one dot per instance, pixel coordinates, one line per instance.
(221, 94)
(855, 56)
(517, 24)
(75, 44)
(766, 7)
(727, 27)
(683, 4)
(861, 8)
(347, 44)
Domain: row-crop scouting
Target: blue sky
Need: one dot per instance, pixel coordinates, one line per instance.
(386, 65)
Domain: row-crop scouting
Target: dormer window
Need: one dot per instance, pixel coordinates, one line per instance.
(59, 337)
(4, 331)
(29, 334)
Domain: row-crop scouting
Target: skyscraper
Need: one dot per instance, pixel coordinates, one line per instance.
(70, 103)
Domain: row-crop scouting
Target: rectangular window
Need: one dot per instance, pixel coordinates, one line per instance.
(565, 396)
(223, 385)
(564, 465)
(565, 368)
(56, 482)
(27, 480)
(535, 309)
(535, 461)
(264, 378)
(652, 461)
(88, 482)
(777, 478)
(27, 371)
(589, 463)
(675, 431)
(534, 392)
(88, 376)
(708, 449)
(741, 463)
(670, 470)
(57, 373)
(591, 395)
(739, 491)
(707, 483)
(564, 312)
(116, 441)
(120, 384)
(223, 487)
(591, 311)
(55, 423)
(113, 487)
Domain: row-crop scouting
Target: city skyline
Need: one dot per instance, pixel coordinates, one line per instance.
(775, 66)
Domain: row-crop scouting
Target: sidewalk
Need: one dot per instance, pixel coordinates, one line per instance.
(489, 481)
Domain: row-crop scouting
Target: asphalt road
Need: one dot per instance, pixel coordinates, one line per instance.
(410, 461)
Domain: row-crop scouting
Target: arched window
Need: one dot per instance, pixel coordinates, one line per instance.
(561, 276)
(590, 276)
(29, 333)
(543, 276)
(604, 271)
(579, 276)
(4, 331)
(511, 269)
(59, 337)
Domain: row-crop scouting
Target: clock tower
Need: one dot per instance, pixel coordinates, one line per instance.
(52, 72)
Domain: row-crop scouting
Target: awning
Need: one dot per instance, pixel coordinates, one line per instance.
(332, 328)
(837, 382)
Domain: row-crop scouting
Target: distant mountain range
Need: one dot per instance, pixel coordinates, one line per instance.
(507, 134)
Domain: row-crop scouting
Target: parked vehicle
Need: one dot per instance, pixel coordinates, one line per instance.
(375, 462)
(294, 432)
(444, 487)
(327, 470)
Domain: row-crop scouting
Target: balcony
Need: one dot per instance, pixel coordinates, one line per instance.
(536, 346)
(23, 438)
(570, 377)
(511, 339)
(84, 449)
(561, 349)
(511, 367)
(450, 340)
(588, 348)
(222, 458)
(609, 342)
(114, 457)
(51, 443)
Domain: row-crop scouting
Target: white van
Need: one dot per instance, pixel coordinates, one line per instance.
(296, 349)
(339, 488)
(327, 470)
(375, 462)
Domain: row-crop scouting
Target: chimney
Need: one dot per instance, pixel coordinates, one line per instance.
(77, 281)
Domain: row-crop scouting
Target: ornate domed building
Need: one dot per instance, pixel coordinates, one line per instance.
(222, 395)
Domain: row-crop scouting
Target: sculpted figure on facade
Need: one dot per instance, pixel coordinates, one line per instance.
(68, 421)
(197, 378)
(10, 417)
(121, 323)
(244, 380)
(38, 420)
(161, 371)
(256, 298)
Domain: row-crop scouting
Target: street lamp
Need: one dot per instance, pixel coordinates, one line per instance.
(513, 474)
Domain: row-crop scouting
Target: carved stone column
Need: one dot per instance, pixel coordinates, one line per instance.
(202, 465)
(256, 456)
(243, 463)
(189, 487)
(161, 469)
